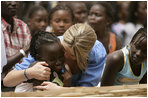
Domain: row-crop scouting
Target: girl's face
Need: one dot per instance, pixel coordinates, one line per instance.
(70, 60)
(80, 12)
(138, 53)
(61, 21)
(39, 21)
(123, 11)
(97, 17)
(54, 55)
(142, 11)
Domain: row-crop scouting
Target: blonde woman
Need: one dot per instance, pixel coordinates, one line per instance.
(85, 57)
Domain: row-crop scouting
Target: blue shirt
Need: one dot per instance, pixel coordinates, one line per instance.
(90, 77)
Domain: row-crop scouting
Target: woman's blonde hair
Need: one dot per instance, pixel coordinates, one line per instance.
(81, 38)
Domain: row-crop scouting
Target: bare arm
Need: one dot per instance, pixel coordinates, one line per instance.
(114, 64)
(38, 71)
(11, 61)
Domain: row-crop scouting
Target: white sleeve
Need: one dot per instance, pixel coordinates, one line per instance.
(3, 52)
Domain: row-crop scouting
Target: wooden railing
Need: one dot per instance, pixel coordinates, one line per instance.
(108, 91)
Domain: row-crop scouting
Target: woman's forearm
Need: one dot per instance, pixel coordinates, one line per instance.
(14, 78)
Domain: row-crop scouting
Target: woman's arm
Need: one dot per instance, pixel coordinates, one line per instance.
(38, 71)
(114, 64)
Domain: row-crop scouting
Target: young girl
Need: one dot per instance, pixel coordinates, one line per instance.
(37, 19)
(60, 19)
(128, 65)
(100, 17)
(45, 46)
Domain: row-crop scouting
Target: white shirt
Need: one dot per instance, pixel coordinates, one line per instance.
(3, 52)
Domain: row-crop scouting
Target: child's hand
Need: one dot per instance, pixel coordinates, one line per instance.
(47, 86)
(39, 71)
(67, 76)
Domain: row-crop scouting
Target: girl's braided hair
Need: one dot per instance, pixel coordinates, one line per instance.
(39, 39)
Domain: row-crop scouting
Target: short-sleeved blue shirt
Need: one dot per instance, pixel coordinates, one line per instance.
(91, 76)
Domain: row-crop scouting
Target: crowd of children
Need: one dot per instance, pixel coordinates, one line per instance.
(73, 44)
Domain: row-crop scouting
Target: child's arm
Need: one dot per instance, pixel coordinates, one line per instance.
(114, 64)
(144, 79)
(67, 76)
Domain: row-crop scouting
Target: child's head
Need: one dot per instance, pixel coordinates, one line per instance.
(80, 11)
(138, 51)
(138, 12)
(60, 19)
(121, 12)
(100, 16)
(37, 19)
(45, 46)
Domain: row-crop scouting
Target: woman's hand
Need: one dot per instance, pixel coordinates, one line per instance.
(47, 86)
(39, 71)
(67, 76)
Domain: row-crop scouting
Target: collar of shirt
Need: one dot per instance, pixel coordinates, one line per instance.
(6, 25)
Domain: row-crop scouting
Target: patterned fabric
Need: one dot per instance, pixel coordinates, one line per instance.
(126, 75)
(18, 38)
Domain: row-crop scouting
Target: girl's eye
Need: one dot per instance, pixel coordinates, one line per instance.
(98, 15)
(57, 20)
(38, 20)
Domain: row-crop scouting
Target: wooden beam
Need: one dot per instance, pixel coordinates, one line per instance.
(108, 91)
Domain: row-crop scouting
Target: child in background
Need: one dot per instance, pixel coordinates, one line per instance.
(60, 19)
(137, 20)
(128, 65)
(37, 19)
(45, 46)
(79, 10)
